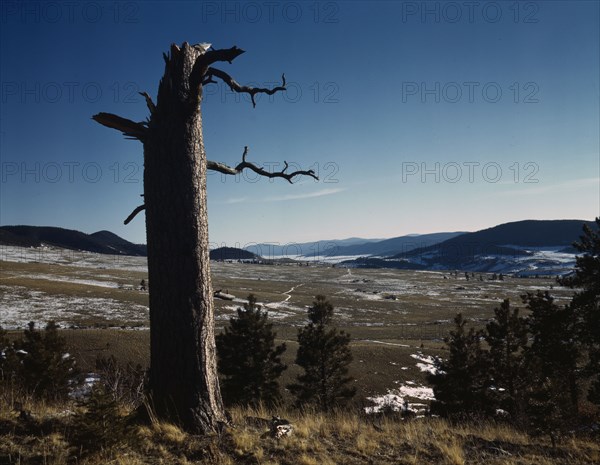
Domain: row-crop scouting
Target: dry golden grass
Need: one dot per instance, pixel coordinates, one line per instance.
(366, 443)
(245, 442)
(170, 433)
(342, 437)
(451, 450)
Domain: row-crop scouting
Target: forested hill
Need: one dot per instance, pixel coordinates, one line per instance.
(394, 245)
(99, 242)
(231, 253)
(517, 235)
(522, 247)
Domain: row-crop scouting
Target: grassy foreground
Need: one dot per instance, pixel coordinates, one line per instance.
(344, 437)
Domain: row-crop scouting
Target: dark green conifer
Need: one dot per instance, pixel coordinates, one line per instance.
(249, 362)
(461, 383)
(324, 355)
(506, 336)
(551, 363)
(586, 303)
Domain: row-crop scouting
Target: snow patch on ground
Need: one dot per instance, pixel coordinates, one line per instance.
(85, 389)
(55, 255)
(417, 392)
(401, 399)
(398, 400)
(426, 362)
(19, 306)
(65, 279)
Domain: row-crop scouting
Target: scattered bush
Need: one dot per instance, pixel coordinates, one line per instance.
(124, 383)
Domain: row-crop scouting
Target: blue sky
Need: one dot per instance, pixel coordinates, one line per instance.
(418, 116)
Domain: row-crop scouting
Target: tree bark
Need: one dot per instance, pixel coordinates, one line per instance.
(183, 371)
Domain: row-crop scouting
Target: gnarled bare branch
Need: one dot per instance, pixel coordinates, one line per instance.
(134, 213)
(213, 56)
(203, 62)
(225, 169)
(129, 128)
(236, 87)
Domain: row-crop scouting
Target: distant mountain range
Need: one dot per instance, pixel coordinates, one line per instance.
(394, 245)
(100, 242)
(351, 247)
(525, 247)
(307, 249)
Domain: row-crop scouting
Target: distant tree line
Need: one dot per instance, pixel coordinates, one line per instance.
(535, 369)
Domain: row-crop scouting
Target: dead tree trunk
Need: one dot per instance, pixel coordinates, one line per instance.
(183, 374)
(183, 382)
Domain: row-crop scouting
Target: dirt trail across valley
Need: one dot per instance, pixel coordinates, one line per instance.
(286, 293)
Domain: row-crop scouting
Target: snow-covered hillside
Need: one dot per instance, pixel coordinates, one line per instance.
(530, 261)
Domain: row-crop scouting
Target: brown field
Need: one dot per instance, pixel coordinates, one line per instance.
(397, 320)
(390, 314)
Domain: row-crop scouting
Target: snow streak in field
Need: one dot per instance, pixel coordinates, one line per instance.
(19, 306)
(66, 279)
(53, 255)
(385, 343)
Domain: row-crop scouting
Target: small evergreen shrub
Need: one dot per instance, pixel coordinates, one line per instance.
(40, 364)
(99, 426)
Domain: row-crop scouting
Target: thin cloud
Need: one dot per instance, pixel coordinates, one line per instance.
(236, 200)
(308, 195)
(282, 198)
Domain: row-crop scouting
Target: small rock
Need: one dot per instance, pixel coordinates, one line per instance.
(280, 428)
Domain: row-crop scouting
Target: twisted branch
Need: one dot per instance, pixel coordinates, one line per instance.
(203, 62)
(213, 56)
(225, 169)
(134, 213)
(236, 87)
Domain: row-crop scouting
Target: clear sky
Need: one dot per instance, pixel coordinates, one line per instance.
(418, 116)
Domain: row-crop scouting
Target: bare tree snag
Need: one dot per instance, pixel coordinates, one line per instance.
(183, 381)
